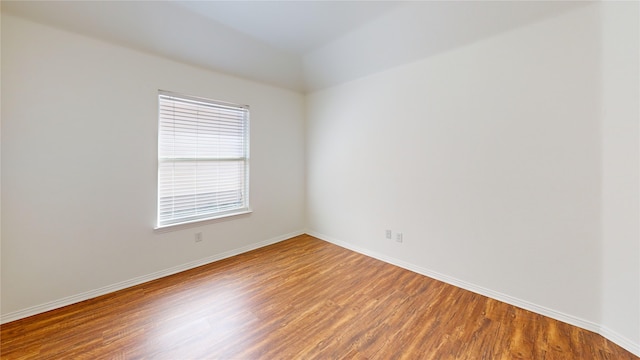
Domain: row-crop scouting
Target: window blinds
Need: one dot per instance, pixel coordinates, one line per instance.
(203, 159)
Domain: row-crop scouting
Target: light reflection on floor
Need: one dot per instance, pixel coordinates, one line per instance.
(212, 312)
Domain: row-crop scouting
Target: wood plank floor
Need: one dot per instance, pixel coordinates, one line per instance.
(299, 299)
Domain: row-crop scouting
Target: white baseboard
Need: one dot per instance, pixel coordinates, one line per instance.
(34, 310)
(627, 344)
(633, 347)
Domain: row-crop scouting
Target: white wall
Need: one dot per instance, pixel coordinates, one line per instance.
(488, 158)
(79, 139)
(417, 29)
(170, 30)
(621, 174)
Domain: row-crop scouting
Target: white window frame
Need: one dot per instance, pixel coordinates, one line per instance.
(173, 209)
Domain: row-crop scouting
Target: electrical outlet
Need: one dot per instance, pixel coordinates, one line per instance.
(388, 234)
(399, 237)
(198, 237)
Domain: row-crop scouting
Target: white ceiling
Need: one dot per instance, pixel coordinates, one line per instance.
(299, 45)
(297, 27)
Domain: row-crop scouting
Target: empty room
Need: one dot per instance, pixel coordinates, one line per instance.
(320, 180)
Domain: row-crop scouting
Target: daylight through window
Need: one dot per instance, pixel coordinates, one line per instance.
(203, 159)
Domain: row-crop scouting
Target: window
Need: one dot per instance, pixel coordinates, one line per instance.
(203, 159)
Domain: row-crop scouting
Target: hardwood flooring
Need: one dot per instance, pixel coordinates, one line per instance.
(299, 299)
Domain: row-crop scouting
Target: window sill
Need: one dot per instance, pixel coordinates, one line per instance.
(197, 222)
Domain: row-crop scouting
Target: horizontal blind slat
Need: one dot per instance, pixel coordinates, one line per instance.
(202, 159)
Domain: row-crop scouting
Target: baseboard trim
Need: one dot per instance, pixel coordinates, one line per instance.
(34, 310)
(622, 341)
